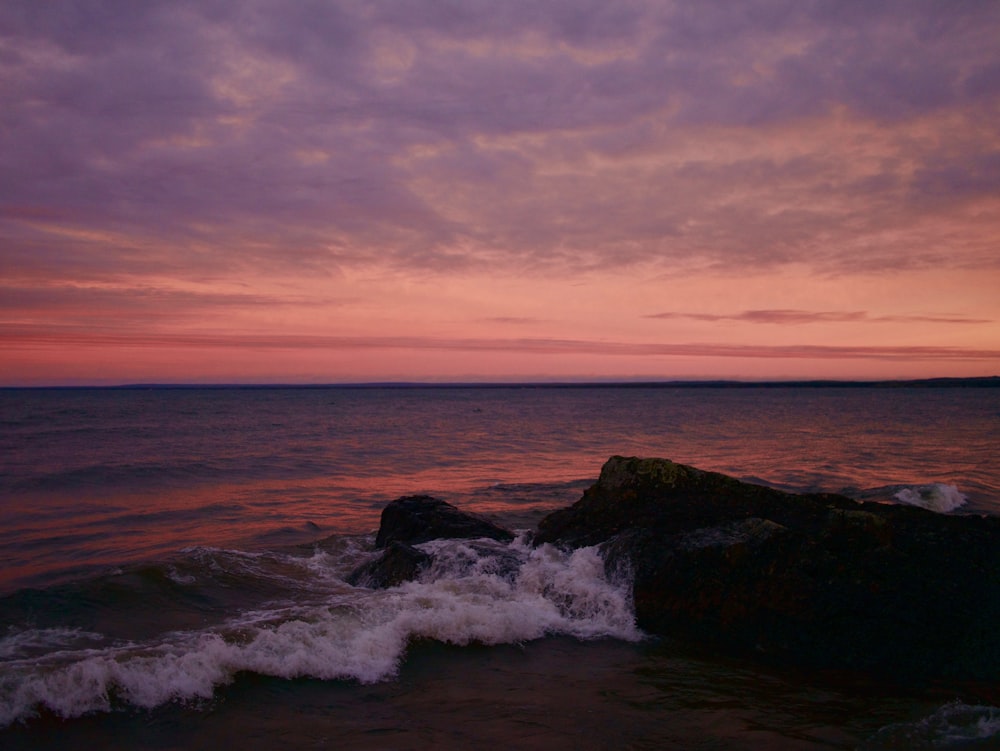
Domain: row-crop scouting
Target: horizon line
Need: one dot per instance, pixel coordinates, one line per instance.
(993, 380)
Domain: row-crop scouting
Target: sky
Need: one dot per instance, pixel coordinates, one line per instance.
(307, 191)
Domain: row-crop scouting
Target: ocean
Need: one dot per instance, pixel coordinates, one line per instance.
(173, 563)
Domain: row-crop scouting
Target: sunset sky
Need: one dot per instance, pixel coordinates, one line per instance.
(306, 191)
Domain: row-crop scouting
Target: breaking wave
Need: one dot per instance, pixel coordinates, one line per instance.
(955, 725)
(475, 592)
(934, 496)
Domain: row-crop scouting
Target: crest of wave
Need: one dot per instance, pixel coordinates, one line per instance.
(933, 496)
(476, 592)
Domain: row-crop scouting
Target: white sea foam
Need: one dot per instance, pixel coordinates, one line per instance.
(178, 578)
(954, 725)
(325, 569)
(22, 643)
(933, 496)
(479, 592)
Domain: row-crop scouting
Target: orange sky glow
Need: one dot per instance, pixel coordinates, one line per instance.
(350, 192)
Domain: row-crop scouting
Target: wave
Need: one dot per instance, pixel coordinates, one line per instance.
(141, 472)
(933, 496)
(938, 497)
(476, 592)
(197, 586)
(24, 644)
(954, 725)
(118, 474)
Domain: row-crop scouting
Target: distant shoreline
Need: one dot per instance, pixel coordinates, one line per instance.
(973, 382)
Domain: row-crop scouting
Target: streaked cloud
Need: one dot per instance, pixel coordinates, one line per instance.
(796, 317)
(514, 320)
(533, 346)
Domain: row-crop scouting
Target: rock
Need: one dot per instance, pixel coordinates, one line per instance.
(815, 580)
(420, 518)
(398, 563)
(634, 492)
(409, 521)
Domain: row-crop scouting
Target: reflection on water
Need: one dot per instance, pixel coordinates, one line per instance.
(94, 476)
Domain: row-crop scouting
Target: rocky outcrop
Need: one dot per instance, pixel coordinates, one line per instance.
(409, 521)
(813, 580)
(420, 518)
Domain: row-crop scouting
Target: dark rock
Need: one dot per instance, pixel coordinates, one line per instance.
(658, 493)
(815, 580)
(420, 518)
(409, 521)
(398, 563)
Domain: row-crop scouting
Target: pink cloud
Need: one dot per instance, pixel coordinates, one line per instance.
(796, 317)
(537, 346)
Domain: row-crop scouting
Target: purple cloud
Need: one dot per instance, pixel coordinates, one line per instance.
(552, 137)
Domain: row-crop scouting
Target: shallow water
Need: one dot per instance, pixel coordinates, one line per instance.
(554, 693)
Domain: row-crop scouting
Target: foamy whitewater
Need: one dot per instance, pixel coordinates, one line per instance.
(476, 591)
(954, 725)
(934, 497)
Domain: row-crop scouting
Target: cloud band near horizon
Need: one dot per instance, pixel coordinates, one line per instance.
(538, 346)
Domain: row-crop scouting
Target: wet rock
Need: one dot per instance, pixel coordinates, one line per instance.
(818, 580)
(398, 563)
(421, 518)
(409, 521)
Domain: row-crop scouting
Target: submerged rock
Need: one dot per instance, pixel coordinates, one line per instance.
(817, 580)
(409, 521)
(398, 563)
(420, 518)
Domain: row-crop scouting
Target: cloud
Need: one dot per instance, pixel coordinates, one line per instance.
(515, 320)
(208, 137)
(796, 317)
(132, 309)
(27, 337)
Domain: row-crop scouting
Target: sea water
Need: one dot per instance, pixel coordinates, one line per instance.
(173, 564)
